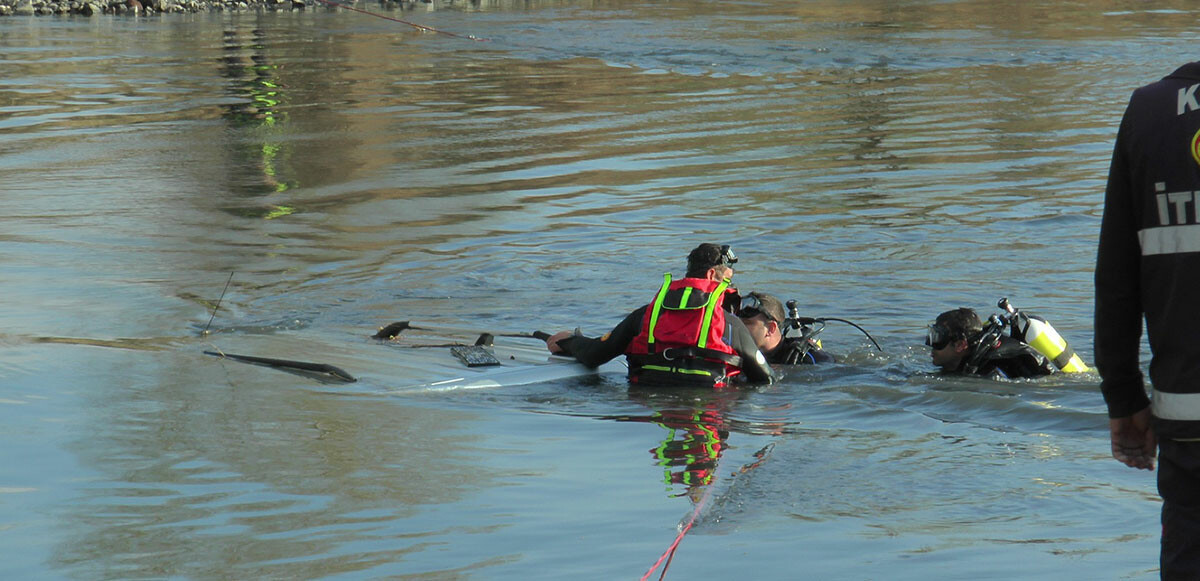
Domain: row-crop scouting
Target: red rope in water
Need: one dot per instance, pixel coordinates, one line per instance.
(412, 24)
(670, 552)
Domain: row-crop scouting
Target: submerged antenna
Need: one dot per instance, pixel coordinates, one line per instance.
(214, 313)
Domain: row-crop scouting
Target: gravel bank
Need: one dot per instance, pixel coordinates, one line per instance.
(146, 7)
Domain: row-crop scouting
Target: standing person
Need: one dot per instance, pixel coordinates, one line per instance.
(1148, 266)
(686, 336)
(763, 315)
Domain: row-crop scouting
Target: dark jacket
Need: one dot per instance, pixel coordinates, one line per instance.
(594, 352)
(1148, 264)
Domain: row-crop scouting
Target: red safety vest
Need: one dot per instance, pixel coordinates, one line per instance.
(681, 341)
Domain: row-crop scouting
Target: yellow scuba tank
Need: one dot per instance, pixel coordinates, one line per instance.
(1039, 334)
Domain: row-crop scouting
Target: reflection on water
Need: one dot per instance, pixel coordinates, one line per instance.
(692, 448)
(877, 161)
(260, 108)
(696, 432)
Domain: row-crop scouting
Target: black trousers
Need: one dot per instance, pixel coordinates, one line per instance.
(1179, 486)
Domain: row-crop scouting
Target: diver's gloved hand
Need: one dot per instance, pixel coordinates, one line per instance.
(560, 342)
(565, 345)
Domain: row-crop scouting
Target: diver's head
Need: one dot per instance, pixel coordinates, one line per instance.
(949, 337)
(763, 316)
(711, 261)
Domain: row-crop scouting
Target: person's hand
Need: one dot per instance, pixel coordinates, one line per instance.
(552, 342)
(1133, 442)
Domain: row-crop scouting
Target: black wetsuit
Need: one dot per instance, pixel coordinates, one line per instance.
(1010, 359)
(796, 351)
(594, 352)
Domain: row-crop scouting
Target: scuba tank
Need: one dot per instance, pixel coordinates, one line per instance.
(1037, 333)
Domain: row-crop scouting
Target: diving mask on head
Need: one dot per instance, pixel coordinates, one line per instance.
(938, 337)
(727, 256)
(752, 307)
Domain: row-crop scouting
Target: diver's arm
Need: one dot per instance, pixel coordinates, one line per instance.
(1118, 320)
(594, 352)
(754, 365)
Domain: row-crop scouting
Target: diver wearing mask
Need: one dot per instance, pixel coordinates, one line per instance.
(960, 343)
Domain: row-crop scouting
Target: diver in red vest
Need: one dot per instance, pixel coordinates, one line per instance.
(687, 336)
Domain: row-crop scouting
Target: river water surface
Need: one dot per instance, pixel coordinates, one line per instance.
(879, 161)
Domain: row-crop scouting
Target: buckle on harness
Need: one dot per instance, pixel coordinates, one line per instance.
(682, 353)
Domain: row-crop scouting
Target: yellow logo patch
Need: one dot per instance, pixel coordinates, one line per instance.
(1196, 147)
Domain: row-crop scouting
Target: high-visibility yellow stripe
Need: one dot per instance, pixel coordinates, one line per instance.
(677, 370)
(713, 299)
(658, 301)
(683, 299)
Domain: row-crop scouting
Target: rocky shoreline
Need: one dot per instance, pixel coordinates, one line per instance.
(144, 7)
